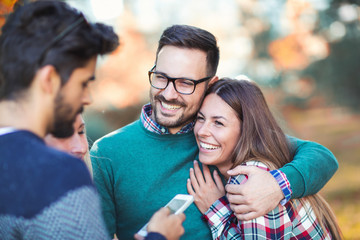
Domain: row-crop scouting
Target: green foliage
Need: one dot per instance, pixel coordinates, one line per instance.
(339, 74)
(338, 2)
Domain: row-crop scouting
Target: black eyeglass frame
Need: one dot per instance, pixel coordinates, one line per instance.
(170, 79)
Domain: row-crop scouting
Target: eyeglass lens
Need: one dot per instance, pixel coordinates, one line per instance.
(181, 85)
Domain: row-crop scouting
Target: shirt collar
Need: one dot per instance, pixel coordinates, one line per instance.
(6, 130)
(153, 126)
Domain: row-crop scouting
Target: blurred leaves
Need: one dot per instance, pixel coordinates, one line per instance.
(7, 6)
(338, 75)
(322, 48)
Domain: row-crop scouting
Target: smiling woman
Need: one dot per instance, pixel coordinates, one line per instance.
(217, 131)
(235, 127)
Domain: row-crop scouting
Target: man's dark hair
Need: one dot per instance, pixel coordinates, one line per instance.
(47, 33)
(185, 36)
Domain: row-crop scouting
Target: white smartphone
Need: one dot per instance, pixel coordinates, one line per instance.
(177, 205)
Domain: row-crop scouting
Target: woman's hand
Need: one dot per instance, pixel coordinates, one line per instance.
(203, 188)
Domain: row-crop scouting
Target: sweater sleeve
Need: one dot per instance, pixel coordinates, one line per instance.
(312, 167)
(154, 236)
(74, 216)
(104, 181)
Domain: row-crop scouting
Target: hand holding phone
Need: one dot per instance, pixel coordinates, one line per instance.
(176, 206)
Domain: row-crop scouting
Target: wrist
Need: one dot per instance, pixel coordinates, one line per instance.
(155, 235)
(284, 185)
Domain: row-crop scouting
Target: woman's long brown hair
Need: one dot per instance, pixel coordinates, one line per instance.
(263, 140)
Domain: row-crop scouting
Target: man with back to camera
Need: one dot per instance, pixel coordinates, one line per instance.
(140, 167)
(48, 54)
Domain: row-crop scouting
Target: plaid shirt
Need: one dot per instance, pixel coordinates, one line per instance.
(295, 220)
(284, 184)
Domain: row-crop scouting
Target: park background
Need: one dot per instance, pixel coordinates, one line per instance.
(305, 55)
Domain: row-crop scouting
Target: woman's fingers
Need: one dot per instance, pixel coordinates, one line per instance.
(190, 188)
(207, 174)
(198, 173)
(194, 181)
(218, 181)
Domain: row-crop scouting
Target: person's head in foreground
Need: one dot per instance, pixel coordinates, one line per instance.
(48, 53)
(186, 62)
(235, 125)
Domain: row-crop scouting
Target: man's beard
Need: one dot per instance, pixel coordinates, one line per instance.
(63, 121)
(180, 121)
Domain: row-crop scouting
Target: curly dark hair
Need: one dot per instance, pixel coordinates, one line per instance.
(48, 33)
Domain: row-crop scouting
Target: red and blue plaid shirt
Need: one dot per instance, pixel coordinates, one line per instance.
(153, 126)
(295, 220)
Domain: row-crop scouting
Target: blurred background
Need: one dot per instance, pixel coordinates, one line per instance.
(305, 55)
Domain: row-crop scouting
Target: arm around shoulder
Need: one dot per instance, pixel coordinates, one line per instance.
(311, 168)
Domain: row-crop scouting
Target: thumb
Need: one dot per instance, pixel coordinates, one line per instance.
(166, 211)
(163, 212)
(246, 170)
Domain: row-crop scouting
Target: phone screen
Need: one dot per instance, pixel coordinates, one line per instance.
(175, 205)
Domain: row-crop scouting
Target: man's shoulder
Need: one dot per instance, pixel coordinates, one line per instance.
(70, 169)
(34, 175)
(28, 152)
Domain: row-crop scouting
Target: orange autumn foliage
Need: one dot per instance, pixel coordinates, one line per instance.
(287, 53)
(6, 6)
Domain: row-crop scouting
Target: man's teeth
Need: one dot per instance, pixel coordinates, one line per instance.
(170, 107)
(208, 146)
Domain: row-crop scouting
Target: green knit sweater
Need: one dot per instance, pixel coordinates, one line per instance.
(137, 172)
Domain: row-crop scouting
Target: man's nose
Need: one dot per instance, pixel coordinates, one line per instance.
(169, 92)
(87, 98)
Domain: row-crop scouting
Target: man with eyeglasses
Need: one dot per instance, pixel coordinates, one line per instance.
(141, 166)
(48, 53)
